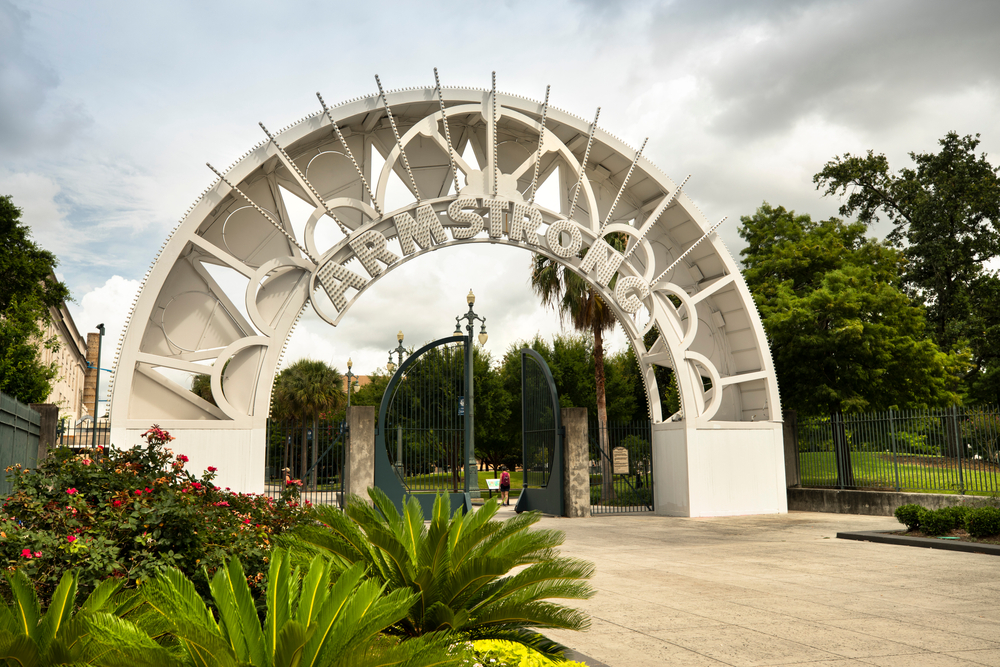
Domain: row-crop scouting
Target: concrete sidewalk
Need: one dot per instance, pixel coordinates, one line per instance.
(778, 590)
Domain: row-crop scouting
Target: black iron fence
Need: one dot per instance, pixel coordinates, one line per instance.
(952, 450)
(309, 454)
(83, 434)
(621, 467)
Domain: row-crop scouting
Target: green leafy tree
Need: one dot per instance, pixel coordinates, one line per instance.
(571, 296)
(28, 288)
(945, 212)
(843, 335)
(303, 391)
(461, 570)
(308, 622)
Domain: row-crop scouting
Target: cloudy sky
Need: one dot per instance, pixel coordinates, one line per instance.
(109, 111)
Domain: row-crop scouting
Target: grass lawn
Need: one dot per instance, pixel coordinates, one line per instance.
(444, 480)
(876, 470)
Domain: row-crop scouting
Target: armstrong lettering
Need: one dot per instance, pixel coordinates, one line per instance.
(516, 221)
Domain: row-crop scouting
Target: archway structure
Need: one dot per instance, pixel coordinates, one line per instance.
(472, 161)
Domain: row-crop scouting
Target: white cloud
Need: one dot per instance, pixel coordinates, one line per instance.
(108, 304)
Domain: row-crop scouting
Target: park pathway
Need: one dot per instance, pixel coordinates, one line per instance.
(778, 590)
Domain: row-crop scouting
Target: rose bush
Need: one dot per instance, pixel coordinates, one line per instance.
(132, 513)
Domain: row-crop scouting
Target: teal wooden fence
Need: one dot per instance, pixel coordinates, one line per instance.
(19, 429)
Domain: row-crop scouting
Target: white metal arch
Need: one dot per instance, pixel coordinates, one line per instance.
(721, 454)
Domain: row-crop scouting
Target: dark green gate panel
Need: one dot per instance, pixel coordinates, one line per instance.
(19, 433)
(420, 433)
(541, 438)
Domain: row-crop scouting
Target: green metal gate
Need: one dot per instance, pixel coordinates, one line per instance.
(541, 438)
(421, 434)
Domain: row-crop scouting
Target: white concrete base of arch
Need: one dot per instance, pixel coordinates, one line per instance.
(238, 454)
(718, 469)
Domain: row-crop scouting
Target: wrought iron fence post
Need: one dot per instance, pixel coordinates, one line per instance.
(895, 457)
(959, 446)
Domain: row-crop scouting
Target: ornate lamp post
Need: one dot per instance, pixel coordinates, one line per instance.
(400, 351)
(352, 381)
(470, 443)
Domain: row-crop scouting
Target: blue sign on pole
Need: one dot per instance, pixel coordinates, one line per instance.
(461, 406)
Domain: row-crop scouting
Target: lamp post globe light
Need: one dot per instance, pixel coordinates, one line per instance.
(400, 351)
(471, 470)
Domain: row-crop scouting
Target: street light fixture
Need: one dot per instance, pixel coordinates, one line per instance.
(400, 350)
(352, 381)
(470, 445)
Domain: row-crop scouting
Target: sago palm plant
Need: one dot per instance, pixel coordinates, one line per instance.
(96, 634)
(309, 623)
(459, 569)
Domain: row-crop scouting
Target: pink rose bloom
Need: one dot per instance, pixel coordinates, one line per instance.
(148, 490)
(212, 468)
(246, 520)
(38, 554)
(196, 485)
(71, 538)
(182, 458)
(138, 492)
(87, 462)
(71, 491)
(26, 553)
(117, 503)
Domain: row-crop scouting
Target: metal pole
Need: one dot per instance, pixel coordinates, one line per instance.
(470, 435)
(97, 386)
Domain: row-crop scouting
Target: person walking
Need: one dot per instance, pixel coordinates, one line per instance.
(504, 485)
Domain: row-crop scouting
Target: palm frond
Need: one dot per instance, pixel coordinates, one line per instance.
(25, 607)
(237, 613)
(59, 611)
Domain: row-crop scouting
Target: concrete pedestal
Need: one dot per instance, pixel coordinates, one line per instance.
(576, 461)
(718, 468)
(359, 455)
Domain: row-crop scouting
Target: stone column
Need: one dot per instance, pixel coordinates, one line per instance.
(90, 379)
(46, 428)
(576, 463)
(359, 455)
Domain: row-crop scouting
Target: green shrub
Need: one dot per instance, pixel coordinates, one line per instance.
(937, 522)
(909, 515)
(983, 522)
(130, 514)
(959, 513)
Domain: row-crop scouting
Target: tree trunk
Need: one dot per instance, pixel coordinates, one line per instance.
(607, 480)
(842, 452)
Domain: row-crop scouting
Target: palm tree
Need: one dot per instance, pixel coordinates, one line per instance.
(303, 391)
(458, 569)
(571, 296)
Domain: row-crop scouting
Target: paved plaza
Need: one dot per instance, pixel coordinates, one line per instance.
(778, 590)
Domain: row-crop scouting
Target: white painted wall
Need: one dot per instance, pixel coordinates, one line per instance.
(719, 469)
(238, 454)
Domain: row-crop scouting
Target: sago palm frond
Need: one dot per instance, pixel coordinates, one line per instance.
(459, 568)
